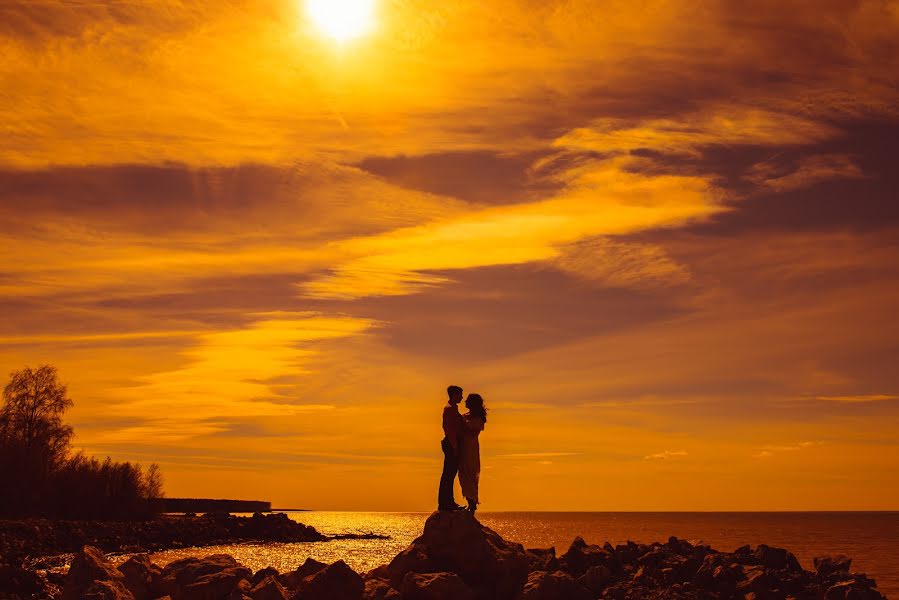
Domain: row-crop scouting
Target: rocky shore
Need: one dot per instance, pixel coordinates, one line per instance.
(457, 558)
(35, 541)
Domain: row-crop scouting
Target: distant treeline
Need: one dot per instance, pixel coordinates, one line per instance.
(39, 473)
(207, 505)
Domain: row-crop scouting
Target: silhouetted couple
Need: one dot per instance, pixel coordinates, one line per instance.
(461, 449)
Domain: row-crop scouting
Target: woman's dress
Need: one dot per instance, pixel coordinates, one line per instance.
(470, 457)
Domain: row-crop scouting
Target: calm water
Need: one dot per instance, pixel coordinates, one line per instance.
(871, 539)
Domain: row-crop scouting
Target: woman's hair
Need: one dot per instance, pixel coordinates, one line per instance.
(475, 405)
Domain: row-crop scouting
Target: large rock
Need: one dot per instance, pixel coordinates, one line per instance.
(106, 590)
(581, 556)
(455, 542)
(542, 559)
(776, 558)
(294, 579)
(141, 577)
(554, 586)
(195, 578)
(379, 589)
(851, 589)
(825, 566)
(17, 581)
(435, 586)
(596, 579)
(89, 566)
(334, 582)
(218, 585)
(268, 589)
(263, 574)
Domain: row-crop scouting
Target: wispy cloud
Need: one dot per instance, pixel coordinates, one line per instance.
(855, 399)
(537, 455)
(666, 455)
(769, 451)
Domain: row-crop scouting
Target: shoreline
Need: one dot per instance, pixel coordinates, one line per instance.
(458, 558)
(41, 543)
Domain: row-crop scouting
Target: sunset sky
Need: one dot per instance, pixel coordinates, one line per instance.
(661, 238)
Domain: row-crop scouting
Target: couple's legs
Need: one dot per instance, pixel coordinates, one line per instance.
(445, 499)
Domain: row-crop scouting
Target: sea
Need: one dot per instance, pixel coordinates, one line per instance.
(871, 539)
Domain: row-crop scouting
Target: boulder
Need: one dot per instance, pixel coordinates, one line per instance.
(220, 584)
(379, 589)
(629, 552)
(596, 579)
(268, 589)
(292, 580)
(825, 566)
(542, 559)
(89, 566)
(17, 581)
(435, 586)
(581, 556)
(852, 590)
(141, 577)
(455, 542)
(776, 558)
(554, 586)
(263, 574)
(106, 590)
(334, 582)
(203, 575)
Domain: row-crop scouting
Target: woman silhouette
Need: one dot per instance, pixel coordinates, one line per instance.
(470, 449)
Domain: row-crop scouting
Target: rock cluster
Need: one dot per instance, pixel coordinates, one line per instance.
(457, 558)
(21, 540)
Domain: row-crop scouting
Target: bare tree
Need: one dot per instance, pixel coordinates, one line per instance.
(34, 439)
(33, 404)
(153, 483)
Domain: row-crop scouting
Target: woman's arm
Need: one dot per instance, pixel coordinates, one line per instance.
(473, 423)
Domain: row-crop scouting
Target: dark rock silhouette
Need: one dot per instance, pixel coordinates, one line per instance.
(268, 589)
(457, 558)
(455, 542)
(559, 585)
(41, 537)
(542, 559)
(335, 582)
(435, 586)
(141, 577)
(91, 575)
(293, 579)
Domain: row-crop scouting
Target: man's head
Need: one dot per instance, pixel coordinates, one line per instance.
(455, 394)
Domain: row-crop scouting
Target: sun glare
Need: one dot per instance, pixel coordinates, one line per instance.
(342, 19)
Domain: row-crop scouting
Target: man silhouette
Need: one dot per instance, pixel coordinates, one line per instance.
(452, 429)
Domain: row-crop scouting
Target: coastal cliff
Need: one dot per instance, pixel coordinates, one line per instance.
(457, 558)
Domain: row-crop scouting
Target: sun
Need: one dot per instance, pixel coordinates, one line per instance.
(342, 19)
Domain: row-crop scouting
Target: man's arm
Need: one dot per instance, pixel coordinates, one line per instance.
(452, 427)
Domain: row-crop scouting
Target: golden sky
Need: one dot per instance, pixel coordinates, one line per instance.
(660, 238)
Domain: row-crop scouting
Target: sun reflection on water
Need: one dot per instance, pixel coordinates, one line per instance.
(360, 555)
